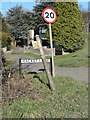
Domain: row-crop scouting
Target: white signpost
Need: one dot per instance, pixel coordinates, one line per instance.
(50, 17)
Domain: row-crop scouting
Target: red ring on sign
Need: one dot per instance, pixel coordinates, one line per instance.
(54, 13)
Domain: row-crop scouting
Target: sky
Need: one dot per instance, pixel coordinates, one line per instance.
(4, 6)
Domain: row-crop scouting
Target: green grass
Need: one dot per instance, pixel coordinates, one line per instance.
(32, 55)
(8, 63)
(76, 59)
(69, 101)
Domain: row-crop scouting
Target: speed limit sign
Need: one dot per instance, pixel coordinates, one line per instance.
(49, 15)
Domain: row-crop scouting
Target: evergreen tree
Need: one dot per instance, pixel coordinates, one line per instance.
(68, 28)
(6, 40)
(4, 24)
(20, 21)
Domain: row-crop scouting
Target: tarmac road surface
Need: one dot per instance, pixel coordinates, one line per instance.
(77, 73)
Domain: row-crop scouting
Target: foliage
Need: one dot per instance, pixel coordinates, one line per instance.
(6, 40)
(68, 28)
(85, 18)
(19, 21)
(85, 13)
(4, 24)
(69, 101)
(79, 58)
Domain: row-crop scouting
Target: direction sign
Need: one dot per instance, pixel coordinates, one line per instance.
(26, 61)
(49, 15)
(31, 61)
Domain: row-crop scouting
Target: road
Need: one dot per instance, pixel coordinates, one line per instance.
(76, 73)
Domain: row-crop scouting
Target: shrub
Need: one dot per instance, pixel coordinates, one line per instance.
(68, 28)
(6, 40)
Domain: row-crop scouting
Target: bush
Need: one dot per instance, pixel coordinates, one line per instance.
(68, 28)
(6, 40)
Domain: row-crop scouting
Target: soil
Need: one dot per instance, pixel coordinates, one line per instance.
(17, 86)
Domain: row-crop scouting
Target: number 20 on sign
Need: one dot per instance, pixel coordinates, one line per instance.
(49, 15)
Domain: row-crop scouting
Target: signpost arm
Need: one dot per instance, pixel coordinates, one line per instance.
(53, 71)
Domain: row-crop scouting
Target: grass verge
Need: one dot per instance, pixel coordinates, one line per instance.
(69, 101)
(76, 59)
(32, 55)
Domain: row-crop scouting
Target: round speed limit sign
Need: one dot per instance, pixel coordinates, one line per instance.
(49, 15)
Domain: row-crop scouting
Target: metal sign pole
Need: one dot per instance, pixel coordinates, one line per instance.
(53, 71)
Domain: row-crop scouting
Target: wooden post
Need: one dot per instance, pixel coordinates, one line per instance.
(45, 64)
